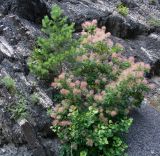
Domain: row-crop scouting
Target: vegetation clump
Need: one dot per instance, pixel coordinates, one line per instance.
(95, 95)
(152, 2)
(123, 10)
(154, 22)
(56, 47)
(34, 98)
(19, 109)
(9, 83)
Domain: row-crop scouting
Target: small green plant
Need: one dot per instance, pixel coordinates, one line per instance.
(9, 83)
(34, 98)
(152, 2)
(49, 111)
(154, 22)
(123, 10)
(57, 47)
(19, 110)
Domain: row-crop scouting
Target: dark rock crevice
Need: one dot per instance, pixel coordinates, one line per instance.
(155, 71)
(20, 26)
(33, 10)
(120, 27)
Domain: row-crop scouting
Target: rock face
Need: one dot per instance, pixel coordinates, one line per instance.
(144, 130)
(19, 27)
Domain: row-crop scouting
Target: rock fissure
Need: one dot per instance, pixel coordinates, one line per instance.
(20, 26)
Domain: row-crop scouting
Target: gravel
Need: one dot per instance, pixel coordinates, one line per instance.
(143, 138)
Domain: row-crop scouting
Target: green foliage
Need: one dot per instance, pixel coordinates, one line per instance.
(89, 136)
(56, 47)
(126, 94)
(154, 22)
(96, 96)
(152, 2)
(9, 83)
(123, 10)
(49, 111)
(19, 110)
(34, 98)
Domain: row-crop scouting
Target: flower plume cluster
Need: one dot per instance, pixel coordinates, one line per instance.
(94, 34)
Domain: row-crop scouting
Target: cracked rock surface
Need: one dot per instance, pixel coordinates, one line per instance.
(20, 25)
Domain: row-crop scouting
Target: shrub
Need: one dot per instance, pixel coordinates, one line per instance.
(57, 46)
(87, 133)
(96, 96)
(123, 10)
(9, 83)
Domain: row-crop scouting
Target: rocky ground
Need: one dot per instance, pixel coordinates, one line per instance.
(19, 27)
(144, 135)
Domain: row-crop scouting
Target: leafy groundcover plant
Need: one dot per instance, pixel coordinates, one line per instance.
(95, 96)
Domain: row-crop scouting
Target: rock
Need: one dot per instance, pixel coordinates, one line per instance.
(20, 26)
(129, 3)
(51, 146)
(12, 150)
(33, 10)
(105, 12)
(5, 48)
(31, 138)
(143, 48)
